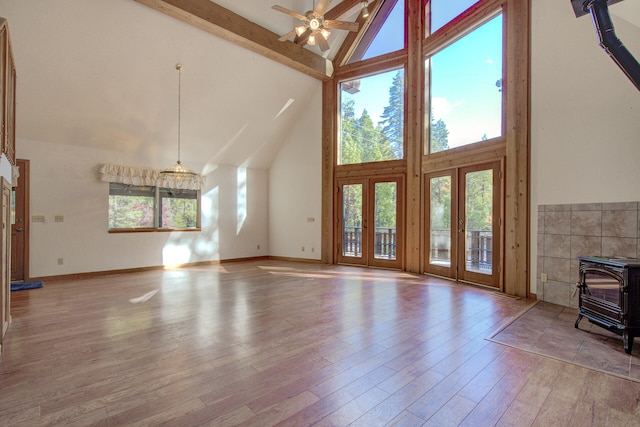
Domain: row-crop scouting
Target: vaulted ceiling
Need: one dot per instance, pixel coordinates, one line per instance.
(101, 75)
(236, 22)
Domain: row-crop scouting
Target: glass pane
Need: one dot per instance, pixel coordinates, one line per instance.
(466, 94)
(372, 118)
(603, 286)
(352, 220)
(443, 11)
(479, 221)
(131, 206)
(390, 36)
(178, 208)
(440, 221)
(385, 220)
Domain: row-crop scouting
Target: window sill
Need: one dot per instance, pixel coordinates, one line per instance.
(151, 230)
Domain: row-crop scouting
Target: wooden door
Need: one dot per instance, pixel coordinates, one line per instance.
(479, 220)
(20, 225)
(352, 222)
(463, 223)
(441, 216)
(370, 227)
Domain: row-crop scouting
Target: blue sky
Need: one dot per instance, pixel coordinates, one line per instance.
(464, 75)
(463, 86)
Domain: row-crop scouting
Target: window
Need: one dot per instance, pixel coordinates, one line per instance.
(385, 34)
(465, 81)
(465, 96)
(136, 207)
(441, 12)
(372, 118)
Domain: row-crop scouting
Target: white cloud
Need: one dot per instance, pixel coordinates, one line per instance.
(441, 107)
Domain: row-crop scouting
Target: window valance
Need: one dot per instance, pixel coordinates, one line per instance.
(146, 176)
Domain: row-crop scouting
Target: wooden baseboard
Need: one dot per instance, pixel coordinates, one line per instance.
(291, 259)
(93, 274)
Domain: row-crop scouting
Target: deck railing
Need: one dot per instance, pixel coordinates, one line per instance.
(479, 253)
(479, 248)
(385, 242)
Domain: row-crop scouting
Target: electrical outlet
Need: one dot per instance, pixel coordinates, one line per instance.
(58, 218)
(302, 249)
(543, 277)
(258, 247)
(37, 218)
(60, 261)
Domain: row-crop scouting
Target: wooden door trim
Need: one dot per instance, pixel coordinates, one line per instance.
(451, 271)
(340, 258)
(399, 261)
(25, 174)
(368, 222)
(468, 276)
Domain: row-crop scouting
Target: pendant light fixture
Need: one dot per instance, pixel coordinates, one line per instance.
(178, 171)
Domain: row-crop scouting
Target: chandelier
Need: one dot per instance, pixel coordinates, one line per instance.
(178, 170)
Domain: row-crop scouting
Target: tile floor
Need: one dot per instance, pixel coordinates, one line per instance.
(548, 329)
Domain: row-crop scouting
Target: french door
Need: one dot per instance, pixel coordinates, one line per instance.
(369, 230)
(463, 221)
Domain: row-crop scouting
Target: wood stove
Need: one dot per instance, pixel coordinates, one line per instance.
(610, 295)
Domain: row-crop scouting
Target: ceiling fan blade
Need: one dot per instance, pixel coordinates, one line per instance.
(321, 7)
(303, 38)
(287, 36)
(341, 25)
(322, 43)
(289, 12)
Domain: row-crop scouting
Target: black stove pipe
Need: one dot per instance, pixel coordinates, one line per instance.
(599, 11)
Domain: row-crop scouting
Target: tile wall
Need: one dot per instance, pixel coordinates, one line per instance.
(568, 231)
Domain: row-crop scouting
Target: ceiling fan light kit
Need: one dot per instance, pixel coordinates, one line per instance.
(365, 9)
(314, 28)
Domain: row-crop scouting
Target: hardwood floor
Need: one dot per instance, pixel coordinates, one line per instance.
(262, 343)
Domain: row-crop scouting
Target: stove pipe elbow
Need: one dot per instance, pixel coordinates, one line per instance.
(599, 11)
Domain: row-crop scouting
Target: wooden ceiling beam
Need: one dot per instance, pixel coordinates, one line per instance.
(215, 19)
(340, 9)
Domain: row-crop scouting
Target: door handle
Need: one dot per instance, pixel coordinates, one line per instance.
(19, 229)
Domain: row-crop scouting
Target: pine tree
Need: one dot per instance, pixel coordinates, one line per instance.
(439, 136)
(350, 152)
(393, 116)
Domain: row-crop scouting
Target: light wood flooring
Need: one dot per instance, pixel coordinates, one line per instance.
(263, 343)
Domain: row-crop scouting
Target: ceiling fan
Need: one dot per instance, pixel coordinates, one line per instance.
(314, 28)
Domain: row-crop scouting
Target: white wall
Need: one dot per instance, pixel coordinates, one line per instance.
(64, 181)
(585, 146)
(585, 114)
(295, 188)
